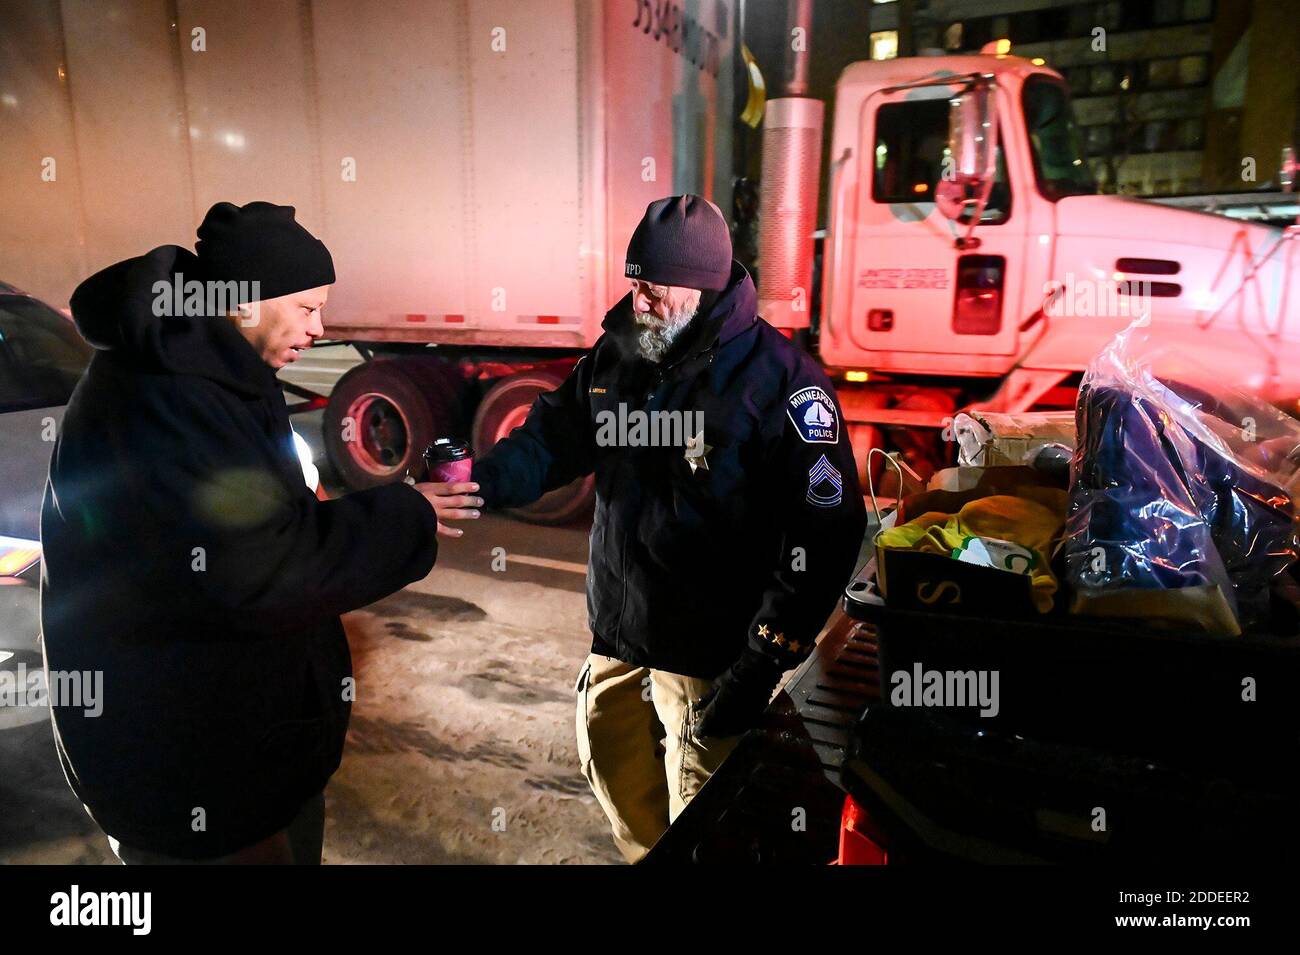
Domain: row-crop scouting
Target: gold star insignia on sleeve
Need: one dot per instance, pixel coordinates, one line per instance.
(779, 639)
(762, 630)
(794, 646)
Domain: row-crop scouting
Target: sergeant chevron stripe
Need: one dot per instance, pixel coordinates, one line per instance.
(825, 484)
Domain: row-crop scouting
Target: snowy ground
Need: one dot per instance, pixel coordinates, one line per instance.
(462, 740)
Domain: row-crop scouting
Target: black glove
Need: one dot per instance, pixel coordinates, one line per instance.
(738, 697)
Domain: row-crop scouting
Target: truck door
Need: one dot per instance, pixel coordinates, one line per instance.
(913, 293)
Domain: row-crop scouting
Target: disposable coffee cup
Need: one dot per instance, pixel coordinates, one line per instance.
(448, 461)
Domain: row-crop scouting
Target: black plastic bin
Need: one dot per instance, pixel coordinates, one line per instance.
(1149, 726)
(1178, 698)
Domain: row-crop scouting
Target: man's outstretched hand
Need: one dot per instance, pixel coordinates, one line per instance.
(738, 697)
(452, 502)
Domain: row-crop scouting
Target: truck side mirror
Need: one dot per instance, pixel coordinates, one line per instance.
(969, 168)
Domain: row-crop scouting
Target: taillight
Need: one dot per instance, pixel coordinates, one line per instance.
(978, 309)
(856, 847)
(17, 555)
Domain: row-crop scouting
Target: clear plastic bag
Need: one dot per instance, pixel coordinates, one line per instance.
(1182, 491)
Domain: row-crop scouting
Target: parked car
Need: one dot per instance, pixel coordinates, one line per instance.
(41, 359)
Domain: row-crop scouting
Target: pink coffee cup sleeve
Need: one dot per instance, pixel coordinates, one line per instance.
(450, 472)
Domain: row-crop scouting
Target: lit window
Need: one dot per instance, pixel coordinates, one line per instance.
(1167, 11)
(1109, 15)
(1099, 139)
(1193, 70)
(884, 45)
(1162, 74)
(1102, 79)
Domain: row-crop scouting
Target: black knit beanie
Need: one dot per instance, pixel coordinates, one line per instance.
(261, 242)
(681, 240)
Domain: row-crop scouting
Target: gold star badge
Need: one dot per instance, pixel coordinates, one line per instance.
(696, 450)
(762, 630)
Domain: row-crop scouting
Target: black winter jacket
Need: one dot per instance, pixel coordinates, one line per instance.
(186, 560)
(687, 564)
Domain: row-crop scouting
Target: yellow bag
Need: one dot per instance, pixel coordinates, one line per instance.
(1004, 532)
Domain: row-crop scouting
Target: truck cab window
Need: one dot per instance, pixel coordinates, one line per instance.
(1059, 165)
(907, 160)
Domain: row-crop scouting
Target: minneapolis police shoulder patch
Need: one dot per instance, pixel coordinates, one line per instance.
(813, 413)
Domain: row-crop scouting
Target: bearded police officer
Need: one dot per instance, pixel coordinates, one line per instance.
(728, 515)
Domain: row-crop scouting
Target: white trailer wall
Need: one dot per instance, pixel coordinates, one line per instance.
(75, 183)
(476, 166)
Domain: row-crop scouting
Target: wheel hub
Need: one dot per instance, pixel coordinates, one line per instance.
(381, 437)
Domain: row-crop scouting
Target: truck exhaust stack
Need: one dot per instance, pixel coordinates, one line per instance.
(792, 153)
(787, 199)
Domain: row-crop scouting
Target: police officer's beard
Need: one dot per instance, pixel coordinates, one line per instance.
(656, 335)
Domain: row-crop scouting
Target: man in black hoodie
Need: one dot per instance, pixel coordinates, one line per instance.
(187, 562)
(728, 515)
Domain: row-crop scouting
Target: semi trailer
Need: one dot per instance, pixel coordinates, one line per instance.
(476, 169)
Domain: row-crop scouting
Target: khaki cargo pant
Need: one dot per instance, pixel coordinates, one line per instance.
(637, 750)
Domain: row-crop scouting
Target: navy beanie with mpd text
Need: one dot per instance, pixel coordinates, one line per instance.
(262, 242)
(683, 241)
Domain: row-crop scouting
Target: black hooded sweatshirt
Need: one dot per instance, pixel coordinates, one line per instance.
(186, 561)
(688, 565)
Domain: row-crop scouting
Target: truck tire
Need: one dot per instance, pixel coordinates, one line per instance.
(504, 408)
(381, 416)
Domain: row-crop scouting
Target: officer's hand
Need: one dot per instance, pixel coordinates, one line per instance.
(452, 502)
(738, 698)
